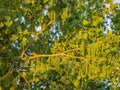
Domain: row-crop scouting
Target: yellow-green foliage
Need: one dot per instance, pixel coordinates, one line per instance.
(72, 50)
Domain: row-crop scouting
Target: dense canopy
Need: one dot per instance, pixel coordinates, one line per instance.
(59, 45)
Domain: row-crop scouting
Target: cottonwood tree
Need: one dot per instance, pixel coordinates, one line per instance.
(59, 44)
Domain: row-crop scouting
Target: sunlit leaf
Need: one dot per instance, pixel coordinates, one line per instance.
(25, 32)
(85, 22)
(24, 41)
(14, 37)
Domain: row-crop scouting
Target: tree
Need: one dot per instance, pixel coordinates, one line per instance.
(115, 20)
(58, 44)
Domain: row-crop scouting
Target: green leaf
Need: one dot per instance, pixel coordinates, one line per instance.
(14, 37)
(85, 22)
(1, 24)
(24, 41)
(19, 28)
(45, 1)
(25, 32)
(7, 18)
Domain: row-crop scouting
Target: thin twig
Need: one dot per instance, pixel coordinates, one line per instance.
(23, 78)
(75, 49)
(7, 74)
(76, 57)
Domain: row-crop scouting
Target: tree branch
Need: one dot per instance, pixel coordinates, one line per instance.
(53, 55)
(7, 74)
(40, 31)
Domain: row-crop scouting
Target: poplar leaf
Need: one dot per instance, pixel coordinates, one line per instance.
(7, 18)
(25, 32)
(14, 37)
(24, 41)
(85, 22)
(1, 24)
(109, 34)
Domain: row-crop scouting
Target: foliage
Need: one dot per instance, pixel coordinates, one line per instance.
(59, 45)
(115, 20)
